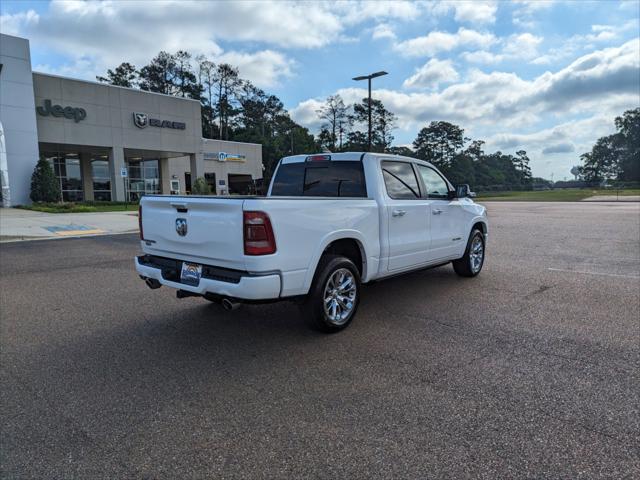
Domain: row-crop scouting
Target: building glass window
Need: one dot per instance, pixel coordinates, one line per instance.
(68, 172)
(211, 181)
(143, 177)
(101, 177)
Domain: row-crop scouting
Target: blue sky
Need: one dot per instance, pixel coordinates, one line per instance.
(548, 77)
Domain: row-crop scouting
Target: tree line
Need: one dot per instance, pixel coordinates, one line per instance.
(232, 107)
(461, 159)
(616, 156)
(235, 109)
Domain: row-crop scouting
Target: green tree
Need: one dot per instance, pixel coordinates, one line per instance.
(438, 143)
(521, 163)
(200, 187)
(602, 162)
(44, 184)
(615, 156)
(158, 75)
(628, 126)
(227, 82)
(124, 75)
(335, 115)
(383, 122)
(206, 72)
(404, 151)
(187, 84)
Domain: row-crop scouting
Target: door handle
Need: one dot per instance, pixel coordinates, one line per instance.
(437, 211)
(398, 213)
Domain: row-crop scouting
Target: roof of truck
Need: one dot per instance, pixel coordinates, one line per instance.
(344, 156)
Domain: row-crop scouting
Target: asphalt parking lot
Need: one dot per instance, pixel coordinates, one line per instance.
(531, 370)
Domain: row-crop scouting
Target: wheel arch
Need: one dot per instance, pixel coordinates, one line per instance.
(347, 243)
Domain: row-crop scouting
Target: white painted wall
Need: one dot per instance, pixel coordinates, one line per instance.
(18, 116)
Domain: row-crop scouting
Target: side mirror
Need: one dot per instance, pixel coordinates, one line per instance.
(463, 191)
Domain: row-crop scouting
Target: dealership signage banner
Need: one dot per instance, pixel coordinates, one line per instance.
(142, 120)
(231, 157)
(72, 113)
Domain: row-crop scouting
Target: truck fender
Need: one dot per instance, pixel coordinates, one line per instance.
(325, 242)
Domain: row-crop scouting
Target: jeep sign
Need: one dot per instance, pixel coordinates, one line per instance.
(74, 113)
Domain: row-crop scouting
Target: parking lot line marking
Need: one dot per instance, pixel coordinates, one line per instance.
(594, 273)
(67, 233)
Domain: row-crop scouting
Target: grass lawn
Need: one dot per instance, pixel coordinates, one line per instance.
(81, 207)
(556, 195)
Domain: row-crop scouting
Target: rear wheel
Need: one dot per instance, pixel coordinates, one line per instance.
(471, 262)
(334, 296)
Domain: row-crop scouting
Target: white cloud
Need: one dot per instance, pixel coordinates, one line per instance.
(523, 46)
(353, 13)
(526, 10)
(431, 74)
(475, 12)
(604, 82)
(574, 45)
(305, 113)
(136, 32)
(437, 41)
(11, 24)
(264, 68)
(383, 30)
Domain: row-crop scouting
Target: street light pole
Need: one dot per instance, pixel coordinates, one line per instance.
(369, 78)
(369, 81)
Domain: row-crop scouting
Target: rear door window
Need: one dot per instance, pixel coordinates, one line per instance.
(320, 179)
(400, 180)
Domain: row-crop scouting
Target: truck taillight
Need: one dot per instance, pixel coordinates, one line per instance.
(140, 222)
(258, 234)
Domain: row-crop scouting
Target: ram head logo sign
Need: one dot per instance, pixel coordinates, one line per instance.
(181, 226)
(141, 120)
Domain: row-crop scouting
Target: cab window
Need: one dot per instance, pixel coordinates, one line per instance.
(433, 182)
(400, 180)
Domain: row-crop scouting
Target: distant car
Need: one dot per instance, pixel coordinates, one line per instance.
(329, 223)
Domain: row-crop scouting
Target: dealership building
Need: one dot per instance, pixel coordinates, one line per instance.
(105, 142)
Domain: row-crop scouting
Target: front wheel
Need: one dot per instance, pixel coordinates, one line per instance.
(334, 296)
(471, 262)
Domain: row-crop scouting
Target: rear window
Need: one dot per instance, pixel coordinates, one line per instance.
(320, 179)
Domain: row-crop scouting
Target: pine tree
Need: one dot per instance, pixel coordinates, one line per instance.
(44, 184)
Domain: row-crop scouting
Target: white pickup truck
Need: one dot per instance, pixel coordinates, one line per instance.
(329, 223)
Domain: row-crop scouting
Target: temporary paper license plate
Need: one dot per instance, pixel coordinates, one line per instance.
(191, 273)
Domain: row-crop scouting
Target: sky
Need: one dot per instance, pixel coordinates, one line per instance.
(548, 77)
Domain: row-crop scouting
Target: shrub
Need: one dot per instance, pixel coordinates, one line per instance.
(44, 184)
(200, 187)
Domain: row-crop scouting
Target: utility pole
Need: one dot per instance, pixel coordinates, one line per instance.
(369, 78)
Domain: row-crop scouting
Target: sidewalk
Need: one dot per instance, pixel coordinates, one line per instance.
(613, 198)
(17, 224)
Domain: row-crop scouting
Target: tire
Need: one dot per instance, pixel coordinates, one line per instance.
(341, 307)
(470, 265)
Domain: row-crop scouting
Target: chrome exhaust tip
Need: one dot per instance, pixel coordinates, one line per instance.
(228, 304)
(152, 283)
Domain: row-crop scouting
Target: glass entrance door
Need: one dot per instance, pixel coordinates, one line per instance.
(143, 177)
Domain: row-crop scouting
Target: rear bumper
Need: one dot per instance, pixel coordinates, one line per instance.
(250, 287)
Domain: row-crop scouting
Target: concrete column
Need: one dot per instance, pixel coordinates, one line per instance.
(196, 163)
(87, 177)
(116, 160)
(165, 176)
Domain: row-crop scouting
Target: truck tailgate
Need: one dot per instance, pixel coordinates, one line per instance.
(213, 229)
